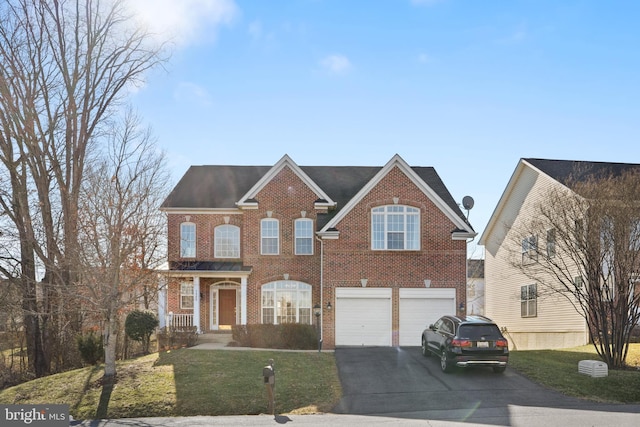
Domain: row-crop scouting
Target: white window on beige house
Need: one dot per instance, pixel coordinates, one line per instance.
(528, 301)
(226, 241)
(529, 249)
(187, 240)
(551, 243)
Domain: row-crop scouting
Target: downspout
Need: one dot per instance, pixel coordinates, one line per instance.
(321, 289)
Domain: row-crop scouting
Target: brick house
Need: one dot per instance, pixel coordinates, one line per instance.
(379, 252)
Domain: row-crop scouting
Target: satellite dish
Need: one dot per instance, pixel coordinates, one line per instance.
(467, 202)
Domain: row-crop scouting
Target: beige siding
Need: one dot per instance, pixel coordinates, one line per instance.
(557, 324)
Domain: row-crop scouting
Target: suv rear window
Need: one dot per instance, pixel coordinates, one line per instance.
(477, 332)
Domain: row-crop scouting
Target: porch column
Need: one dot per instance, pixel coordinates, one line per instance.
(243, 301)
(196, 303)
(162, 300)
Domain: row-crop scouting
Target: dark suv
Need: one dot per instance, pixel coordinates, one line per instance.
(466, 341)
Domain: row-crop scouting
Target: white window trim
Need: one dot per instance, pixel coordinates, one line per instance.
(188, 294)
(301, 288)
(262, 237)
(376, 211)
(529, 249)
(530, 300)
(183, 240)
(295, 234)
(236, 242)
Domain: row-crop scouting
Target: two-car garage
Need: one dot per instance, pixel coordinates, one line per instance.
(364, 316)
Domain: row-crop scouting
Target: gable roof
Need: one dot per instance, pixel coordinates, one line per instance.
(578, 170)
(563, 172)
(224, 187)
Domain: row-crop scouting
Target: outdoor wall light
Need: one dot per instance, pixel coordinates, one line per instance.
(329, 306)
(427, 283)
(364, 282)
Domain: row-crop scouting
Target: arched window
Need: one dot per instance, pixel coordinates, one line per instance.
(269, 236)
(395, 227)
(188, 240)
(286, 301)
(304, 236)
(226, 241)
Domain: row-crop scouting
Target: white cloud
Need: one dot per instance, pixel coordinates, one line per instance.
(336, 64)
(184, 21)
(193, 94)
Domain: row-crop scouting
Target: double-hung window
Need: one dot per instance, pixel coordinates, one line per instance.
(395, 227)
(529, 249)
(226, 241)
(528, 301)
(187, 240)
(551, 243)
(186, 295)
(269, 237)
(304, 236)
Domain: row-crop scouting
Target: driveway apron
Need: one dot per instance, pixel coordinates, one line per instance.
(399, 381)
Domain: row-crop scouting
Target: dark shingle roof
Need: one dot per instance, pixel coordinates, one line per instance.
(208, 266)
(565, 170)
(220, 187)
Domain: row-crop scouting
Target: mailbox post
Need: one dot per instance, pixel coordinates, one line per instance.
(269, 375)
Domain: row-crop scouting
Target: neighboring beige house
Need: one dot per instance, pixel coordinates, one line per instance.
(475, 286)
(531, 319)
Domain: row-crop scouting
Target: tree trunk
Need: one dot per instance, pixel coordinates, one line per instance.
(110, 345)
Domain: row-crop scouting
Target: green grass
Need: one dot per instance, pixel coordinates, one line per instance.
(558, 370)
(221, 382)
(190, 382)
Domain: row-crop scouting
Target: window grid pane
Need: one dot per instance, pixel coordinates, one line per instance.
(227, 241)
(270, 235)
(304, 237)
(186, 295)
(395, 227)
(286, 301)
(187, 240)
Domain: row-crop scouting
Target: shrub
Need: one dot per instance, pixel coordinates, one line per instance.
(90, 348)
(170, 337)
(290, 336)
(139, 326)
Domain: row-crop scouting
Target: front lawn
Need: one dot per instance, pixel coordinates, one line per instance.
(558, 370)
(190, 382)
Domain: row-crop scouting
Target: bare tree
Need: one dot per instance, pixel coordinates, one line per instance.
(65, 66)
(592, 254)
(121, 228)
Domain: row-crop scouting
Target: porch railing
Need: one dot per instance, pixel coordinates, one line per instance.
(179, 320)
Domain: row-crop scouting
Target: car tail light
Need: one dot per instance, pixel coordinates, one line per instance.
(502, 343)
(460, 343)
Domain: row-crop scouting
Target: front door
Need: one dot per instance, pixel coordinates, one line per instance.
(227, 307)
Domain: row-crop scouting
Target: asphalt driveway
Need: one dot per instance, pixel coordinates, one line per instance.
(400, 382)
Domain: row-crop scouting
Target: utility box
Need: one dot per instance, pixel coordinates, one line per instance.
(593, 368)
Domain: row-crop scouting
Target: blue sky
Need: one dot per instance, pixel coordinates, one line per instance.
(466, 86)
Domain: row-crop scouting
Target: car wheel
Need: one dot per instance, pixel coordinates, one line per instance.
(444, 363)
(425, 349)
(499, 369)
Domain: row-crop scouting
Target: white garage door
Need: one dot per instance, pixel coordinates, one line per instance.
(421, 307)
(363, 316)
